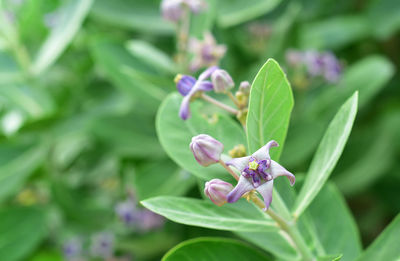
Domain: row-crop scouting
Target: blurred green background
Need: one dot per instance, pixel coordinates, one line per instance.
(81, 81)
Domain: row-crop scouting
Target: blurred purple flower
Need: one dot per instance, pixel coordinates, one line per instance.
(127, 212)
(205, 52)
(172, 10)
(258, 172)
(150, 220)
(188, 88)
(72, 249)
(102, 245)
(332, 67)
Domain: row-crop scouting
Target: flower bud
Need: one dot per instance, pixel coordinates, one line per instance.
(222, 81)
(171, 10)
(217, 190)
(206, 149)
(245, 87)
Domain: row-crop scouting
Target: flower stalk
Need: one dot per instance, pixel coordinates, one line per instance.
(219, 104)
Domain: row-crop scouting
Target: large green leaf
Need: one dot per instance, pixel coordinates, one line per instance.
(240, 216)
(69, 20)
(207, 249)
(175, 135)
(21, 231)
(327, 154)
(385, 17)
(17, 162)
(234, 12)
(386, 246)
(334, 225)
(270, 105)
(139, 15)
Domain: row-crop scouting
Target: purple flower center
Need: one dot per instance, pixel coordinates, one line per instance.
(257, 170)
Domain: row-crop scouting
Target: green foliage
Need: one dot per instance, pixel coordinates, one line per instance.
(328, 154)
(238, 217)
(270, 105)
(213, 249)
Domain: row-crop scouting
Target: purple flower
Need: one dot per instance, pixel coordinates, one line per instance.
(206, 149)
(188, 88)
(127, 212)
(217, 191)
(172, 10)
(206, 52)
(102, 245)
(72, 248)
(332, 68)
(314, 63)
(258, 172)
(150, 220)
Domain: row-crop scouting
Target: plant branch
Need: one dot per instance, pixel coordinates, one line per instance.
(219, 104)
(229, 170)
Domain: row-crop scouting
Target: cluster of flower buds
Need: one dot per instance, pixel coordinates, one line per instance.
(172, 10)
(205, 52)
(141, 219)
(257, 171)
(317, 64)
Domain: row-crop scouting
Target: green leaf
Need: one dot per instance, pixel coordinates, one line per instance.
(386, 246)
(205, 249)
(139, 15)
(21, 231)
(128, 73)
(327, 154)
(17, 162)
(175, 135)
(204, 20)
(69, 20)
(234, 12)
(335, 32)
(240, 216)
(161, 178)
(385, 15)
(331, 216)
(276, 243)
(270, 105)
(330, 258)
(151, 55)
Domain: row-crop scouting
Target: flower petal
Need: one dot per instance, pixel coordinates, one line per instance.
(239, 163)
(184, 111)
(263, 152)
(207, 73)
(277, 170)
(205, 86)
(266, 192)
(242, 187)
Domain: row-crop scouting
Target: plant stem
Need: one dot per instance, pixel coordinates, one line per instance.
(182, 35)
(290, 228)
(229, 170)
(230, 95)
(219, 104)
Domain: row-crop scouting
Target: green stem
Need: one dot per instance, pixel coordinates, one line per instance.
(290, 228)
(219, 104)
(182, 35)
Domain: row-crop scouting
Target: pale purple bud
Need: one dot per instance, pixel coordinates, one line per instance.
(222, 81)
(206, 149)
(102, 245)
(171, 10)
(217, 191)
(245, 87)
